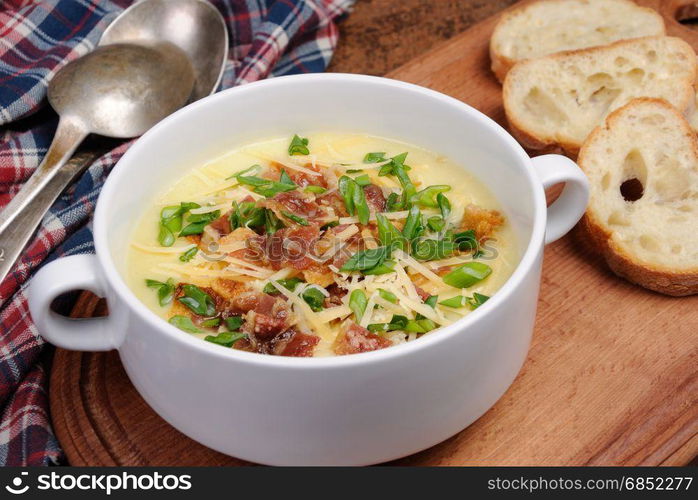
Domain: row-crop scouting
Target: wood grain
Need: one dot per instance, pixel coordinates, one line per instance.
(610, 379)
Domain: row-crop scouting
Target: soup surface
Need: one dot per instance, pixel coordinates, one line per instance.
(328, 244)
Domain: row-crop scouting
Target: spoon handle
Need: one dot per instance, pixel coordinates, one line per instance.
(22, 215)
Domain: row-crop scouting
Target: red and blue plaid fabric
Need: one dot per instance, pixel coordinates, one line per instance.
(267, 38)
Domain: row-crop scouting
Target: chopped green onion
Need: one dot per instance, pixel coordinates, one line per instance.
(165, 290)
(345, 186)
(174, 223)
(389, 168)
(354, 198)
(477, 300)
(467, 275)
(184, 323)
(431, 301)
(171, 221)
(374, 157)
(170, 211)
(314, 298)
(246, 214)
(197, 222)
(467, 240)
(165, 237)
(393, 203)
(233, 323)
(362, 210)
(189, 254)
(410, 229)
(420, 326)
(400, 171)
(427, 196)
(436, 223)
(284, 178)
(226, 339)
(298, 146)
(198, 301)
(273, 188)
(267, 187)
(455, 302)
(387, 295)
(444, 205)
(396, 323)
(254, 181)
(460, 301)
(211, 323)
(271, 222)
(295, 218)
(433, 249)
(253, 169)
(365, 259)
(388, 234)
(357, 303)
(330, 224)
(385, 267)
(289, 284)
(363, 180)
(314, 189)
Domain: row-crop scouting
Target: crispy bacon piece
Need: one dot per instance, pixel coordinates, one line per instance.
(302, 179)
(296, 202)
(315, 277)
(265, 327)
(294, 247)
(483, 221)
(300, 345)
(222, 224)
(354, 339)
(333, 200)
(336, 294)
(422, 294)
(375, 198)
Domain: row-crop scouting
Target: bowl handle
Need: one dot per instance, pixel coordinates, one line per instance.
(566, 211)
(77, 272)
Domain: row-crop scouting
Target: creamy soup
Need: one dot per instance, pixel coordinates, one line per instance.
(319, 245)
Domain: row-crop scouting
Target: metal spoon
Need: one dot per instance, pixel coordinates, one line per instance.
(195, 27)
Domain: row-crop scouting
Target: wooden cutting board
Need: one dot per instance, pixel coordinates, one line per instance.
(611, 378)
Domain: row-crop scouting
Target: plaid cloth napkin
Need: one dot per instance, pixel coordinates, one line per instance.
(267, 38)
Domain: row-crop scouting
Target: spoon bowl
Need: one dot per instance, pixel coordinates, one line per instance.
(195, 26)
(122, 90)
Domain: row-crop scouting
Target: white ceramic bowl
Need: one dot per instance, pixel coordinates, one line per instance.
(358, 409)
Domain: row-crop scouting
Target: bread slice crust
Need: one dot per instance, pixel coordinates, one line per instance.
(576, 11)
(656, 276)
(534, 136)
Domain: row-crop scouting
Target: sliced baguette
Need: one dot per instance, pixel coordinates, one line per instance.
(548, 26)
(554, 102)
(649, 149)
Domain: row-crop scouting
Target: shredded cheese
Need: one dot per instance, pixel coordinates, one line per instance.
(298, 303)
(287, 164)
(162, 250)
(368, 313)
(420, 268)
